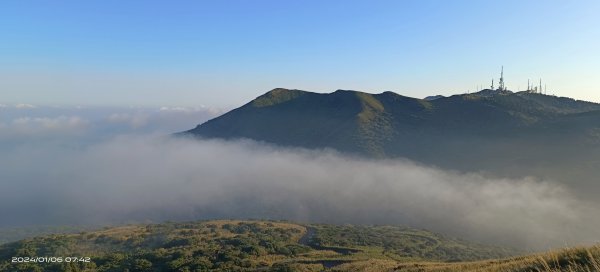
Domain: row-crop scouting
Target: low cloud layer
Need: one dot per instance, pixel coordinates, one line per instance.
(61, 125)
(26, 123)
(140, 178)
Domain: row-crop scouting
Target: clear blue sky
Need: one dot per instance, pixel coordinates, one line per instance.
(223, 53)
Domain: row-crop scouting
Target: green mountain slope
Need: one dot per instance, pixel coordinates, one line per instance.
(227, 245)
(496, 132)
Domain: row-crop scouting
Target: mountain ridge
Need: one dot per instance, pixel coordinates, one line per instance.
(497, 132)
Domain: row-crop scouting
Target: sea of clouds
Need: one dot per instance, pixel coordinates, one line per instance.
(82, 166)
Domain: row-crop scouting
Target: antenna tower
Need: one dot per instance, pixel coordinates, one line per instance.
(501, 83)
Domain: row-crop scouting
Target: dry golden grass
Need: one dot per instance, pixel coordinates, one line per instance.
(374, 265)
(568, 260)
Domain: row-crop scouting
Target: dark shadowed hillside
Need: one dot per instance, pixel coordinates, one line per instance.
(498, 132)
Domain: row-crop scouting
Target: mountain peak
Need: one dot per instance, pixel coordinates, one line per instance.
(276, 96)
(490, 92)
(433, 97)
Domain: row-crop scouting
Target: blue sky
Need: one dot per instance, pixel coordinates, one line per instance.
(223, 53)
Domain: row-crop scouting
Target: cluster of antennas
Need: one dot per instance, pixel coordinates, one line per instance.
(531, 87)
(501, 86)
(536, 89)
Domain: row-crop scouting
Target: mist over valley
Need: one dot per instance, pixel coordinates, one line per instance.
(132, 175)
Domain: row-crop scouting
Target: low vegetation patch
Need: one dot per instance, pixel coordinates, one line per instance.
(229, 245)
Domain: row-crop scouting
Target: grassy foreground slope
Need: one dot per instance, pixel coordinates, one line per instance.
(238, 246)
(568, 260)
(227, 245)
